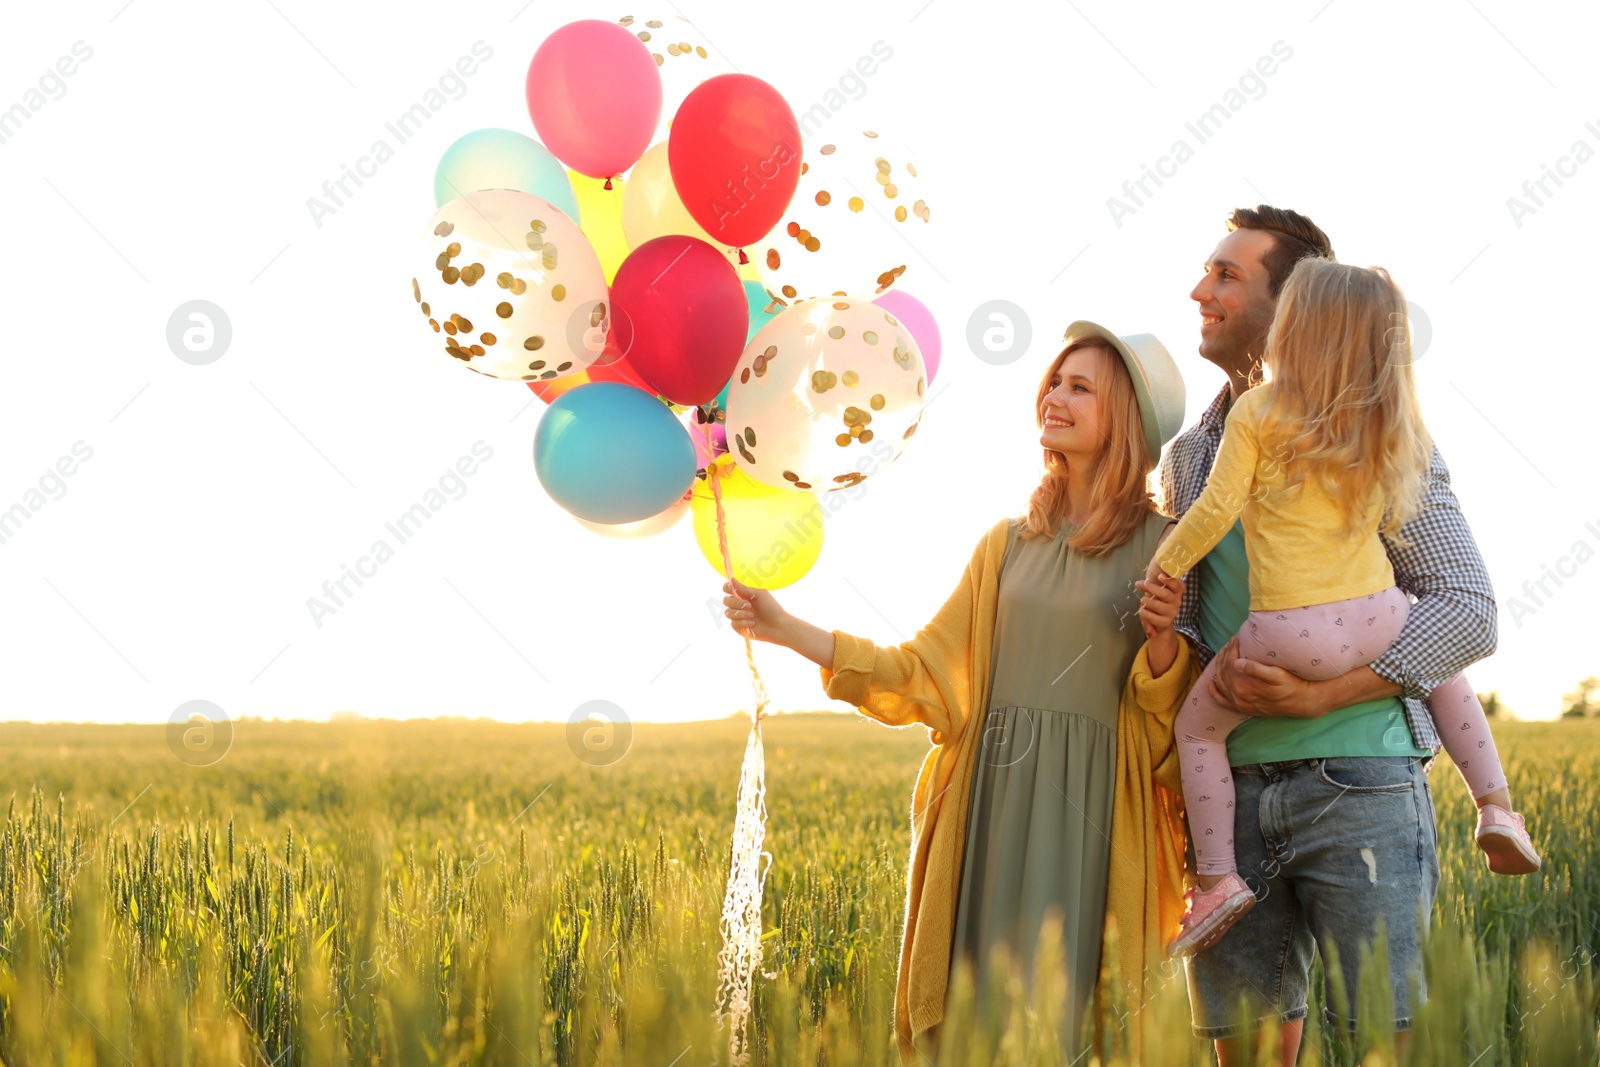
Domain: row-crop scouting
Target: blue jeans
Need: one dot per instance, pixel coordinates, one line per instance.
(1330, 846)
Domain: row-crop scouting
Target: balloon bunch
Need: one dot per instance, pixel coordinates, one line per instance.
(609, 269)
(591, 257)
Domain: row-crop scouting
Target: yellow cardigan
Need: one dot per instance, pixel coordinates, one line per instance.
(940, 679)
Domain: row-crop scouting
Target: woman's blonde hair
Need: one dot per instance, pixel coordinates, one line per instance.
(1344, 395)
(1120, 489)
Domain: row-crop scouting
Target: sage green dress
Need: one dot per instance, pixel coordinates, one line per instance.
(1038, 833)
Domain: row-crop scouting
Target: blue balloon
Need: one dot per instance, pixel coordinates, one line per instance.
(503, 159)
(610, 453)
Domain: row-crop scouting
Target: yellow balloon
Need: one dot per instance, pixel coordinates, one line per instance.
(601, 209)
(774, 535)
(651, 208)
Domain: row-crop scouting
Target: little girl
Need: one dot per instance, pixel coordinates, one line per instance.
(1319, 459)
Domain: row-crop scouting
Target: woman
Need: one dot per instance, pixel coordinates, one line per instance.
(1048, 724)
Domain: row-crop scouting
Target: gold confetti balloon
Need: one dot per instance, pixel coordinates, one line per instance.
(826, 394)
(683, 57)
(856, 221)
(511, 287)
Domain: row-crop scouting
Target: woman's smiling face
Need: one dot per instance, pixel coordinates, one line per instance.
(1071, 410)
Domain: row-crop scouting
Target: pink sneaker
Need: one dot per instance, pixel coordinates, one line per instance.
(1211, 913)
(1505, 842)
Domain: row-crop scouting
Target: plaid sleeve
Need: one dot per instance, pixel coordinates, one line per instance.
(1181, 482)
(1454, 621)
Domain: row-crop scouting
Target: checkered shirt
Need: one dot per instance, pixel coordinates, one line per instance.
(1453, 622)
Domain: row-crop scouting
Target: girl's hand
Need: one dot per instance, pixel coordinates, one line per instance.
(1158, 607)
(1153, 573)
(754, 612)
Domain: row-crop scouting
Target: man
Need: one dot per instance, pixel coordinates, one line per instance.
(1334, 823)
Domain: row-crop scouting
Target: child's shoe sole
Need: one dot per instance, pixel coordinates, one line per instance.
(1507, 852)
(1215, 926)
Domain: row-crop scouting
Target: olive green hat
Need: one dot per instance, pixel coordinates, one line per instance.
(1156, 381)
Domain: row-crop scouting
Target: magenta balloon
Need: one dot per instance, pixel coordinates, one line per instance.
(678, 311)
(919, 320)
(595, 97)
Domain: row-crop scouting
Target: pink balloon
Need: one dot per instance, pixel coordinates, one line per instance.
(595, 96)
(919, 320)
(679, 314)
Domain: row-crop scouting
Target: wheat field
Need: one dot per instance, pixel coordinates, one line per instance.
(466, 892)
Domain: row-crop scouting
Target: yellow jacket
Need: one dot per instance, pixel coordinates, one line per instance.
(1299, 550)
(939, 678)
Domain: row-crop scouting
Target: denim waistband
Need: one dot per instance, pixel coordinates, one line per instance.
(1291, 764)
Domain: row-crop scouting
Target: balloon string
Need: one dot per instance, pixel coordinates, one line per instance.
(740, 957)
(727, 567)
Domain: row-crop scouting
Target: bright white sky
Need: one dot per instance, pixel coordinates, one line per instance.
(177, 163)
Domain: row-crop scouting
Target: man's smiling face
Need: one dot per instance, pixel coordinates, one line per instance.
(1235, 301)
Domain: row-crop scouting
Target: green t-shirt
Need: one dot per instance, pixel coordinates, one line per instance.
(1372, 728)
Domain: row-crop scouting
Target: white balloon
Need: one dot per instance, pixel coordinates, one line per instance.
(825, 395)
(511, 287)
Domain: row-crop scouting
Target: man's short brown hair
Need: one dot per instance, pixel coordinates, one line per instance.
(1294, 237)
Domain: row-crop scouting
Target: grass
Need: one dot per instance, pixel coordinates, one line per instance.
(466, 892)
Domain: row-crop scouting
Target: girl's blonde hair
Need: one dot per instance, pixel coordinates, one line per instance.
(1344, 396)
(1120, 488)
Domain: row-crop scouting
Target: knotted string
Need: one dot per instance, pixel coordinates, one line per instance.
(727, 567)
(740, 957)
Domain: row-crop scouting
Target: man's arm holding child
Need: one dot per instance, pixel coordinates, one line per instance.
(1453, 623)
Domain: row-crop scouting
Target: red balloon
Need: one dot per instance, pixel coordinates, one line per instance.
(734, 151)
(679, 315)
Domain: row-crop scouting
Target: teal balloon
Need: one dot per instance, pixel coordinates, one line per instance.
(503, 159)
(755, 294)
(610, 453)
